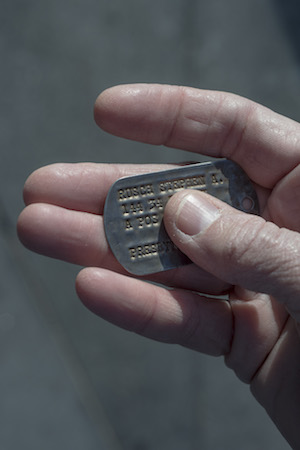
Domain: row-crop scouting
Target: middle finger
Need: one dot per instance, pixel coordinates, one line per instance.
(79, 238)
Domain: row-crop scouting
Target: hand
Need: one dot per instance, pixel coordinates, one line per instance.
(255, 260)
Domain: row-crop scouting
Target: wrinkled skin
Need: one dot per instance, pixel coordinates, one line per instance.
(254, 260)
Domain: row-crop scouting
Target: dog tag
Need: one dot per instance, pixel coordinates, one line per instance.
(134, 207)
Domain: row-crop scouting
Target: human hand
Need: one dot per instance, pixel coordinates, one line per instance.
(252, 259)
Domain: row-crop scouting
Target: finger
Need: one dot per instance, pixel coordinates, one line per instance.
(241, 249)
(259, 321)
(276, 385)
(81, 186)
(84, 186)
(217, 124)
(172, 316)
(79, 238)
(63, 234)
(284, 202)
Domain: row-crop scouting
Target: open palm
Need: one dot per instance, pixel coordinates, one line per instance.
(253, 328)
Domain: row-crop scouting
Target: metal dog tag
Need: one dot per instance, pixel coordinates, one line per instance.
(135, 205)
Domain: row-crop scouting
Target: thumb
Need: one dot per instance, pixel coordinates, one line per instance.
(239, 248)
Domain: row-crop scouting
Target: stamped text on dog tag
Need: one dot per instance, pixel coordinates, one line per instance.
(134, 207)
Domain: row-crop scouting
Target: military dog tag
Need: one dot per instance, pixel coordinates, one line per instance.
(134, 207)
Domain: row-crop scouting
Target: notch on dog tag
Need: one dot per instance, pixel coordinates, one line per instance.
(134, 207)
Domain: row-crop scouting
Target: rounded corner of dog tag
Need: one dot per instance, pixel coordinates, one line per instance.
(134, 207)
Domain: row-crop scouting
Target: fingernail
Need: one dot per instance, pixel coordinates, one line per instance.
(195, 214)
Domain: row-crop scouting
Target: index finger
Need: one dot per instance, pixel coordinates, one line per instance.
(80, 186)
(213, 123)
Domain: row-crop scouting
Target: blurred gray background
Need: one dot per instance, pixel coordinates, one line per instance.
(67, 379)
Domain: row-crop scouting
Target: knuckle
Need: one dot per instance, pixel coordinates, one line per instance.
(259, 255)
(249, 245)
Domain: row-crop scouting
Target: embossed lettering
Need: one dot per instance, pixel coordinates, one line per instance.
(152, 249)
(135, 191)
(216, 179)
(128, 225)
(132, 208)
(156, 203)
(182, 183)
(148, 220)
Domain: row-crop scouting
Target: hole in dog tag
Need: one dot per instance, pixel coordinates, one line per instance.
(134, 207)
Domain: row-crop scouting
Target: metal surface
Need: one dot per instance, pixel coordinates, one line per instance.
(134, 207)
